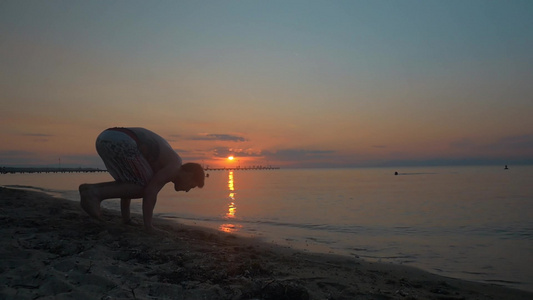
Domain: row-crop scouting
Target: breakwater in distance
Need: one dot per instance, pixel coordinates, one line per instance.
(14, 170)
(251, 168)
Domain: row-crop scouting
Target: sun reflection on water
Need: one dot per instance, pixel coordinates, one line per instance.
(232, 208)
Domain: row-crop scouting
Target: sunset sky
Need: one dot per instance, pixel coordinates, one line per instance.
(286, 83)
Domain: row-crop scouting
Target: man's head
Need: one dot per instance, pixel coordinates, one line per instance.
(197, 171)
(192, 175)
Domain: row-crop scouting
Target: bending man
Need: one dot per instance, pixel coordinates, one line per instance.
(141, 162)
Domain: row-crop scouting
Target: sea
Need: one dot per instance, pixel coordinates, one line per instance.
(473, 223)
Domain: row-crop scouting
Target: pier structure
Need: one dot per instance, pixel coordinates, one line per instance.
(252, 168)
(14, 170)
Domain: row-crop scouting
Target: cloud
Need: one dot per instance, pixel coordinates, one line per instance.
(175, 137)
(226, 151)
(82, 160)
(518, 142)
(36, 134)
(178, 150)
(298, 155)
(512, 143)
(38, 137)
(18, 157)
(288, 155)
(218, 137)
(464, 143)
(15, 153)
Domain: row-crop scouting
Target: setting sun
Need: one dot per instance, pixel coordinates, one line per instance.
(230, 157)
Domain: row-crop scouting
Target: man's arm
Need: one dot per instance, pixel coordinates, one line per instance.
(150, 194)
(149, 200)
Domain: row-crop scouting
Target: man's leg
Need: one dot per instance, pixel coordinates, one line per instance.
(92, 195)
(125, 210)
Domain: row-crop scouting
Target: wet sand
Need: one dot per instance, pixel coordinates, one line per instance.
(52, 250)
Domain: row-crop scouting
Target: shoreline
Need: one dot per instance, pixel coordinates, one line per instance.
(52, 249)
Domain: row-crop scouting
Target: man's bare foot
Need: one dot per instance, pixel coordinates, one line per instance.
(89, 201)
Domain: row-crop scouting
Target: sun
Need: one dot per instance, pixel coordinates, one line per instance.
(230, 157)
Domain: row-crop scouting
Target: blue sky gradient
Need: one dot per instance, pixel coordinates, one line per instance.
(293, 83)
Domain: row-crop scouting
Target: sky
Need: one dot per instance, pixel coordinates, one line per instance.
(284, 83)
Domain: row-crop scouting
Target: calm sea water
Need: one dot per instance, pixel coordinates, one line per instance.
(473, 223)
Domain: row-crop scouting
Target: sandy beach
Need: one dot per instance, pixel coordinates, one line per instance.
(53, 250)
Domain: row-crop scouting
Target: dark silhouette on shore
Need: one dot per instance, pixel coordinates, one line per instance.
(142, 163)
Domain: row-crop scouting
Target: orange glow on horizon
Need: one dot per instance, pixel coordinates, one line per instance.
(231, 157)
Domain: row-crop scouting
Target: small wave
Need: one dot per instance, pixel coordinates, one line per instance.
(474, 273)
(27, 187)
(503, 232)
(389, 257)
(503, 281)
(307, 226)
(320, 241)
(54, 193)
(33, 188)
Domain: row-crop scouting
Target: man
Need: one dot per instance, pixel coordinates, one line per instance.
(141, 162)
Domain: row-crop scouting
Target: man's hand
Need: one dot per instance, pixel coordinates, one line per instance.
(150, 197)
